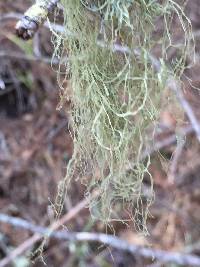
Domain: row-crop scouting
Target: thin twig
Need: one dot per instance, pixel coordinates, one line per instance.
(167, 141)
(34, 17)
(110, 240)
(175, 86)
(171, 82)
(36, 237)
(17, 55)
(176, 156)
(18, 16)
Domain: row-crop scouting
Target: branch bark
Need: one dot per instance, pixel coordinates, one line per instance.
(34, 17)
(113, 241)
(37, 236)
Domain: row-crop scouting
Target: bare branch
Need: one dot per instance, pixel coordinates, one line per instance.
(176, 156)
(167, 141)
(34, 17)
(18, 16)
(17, 55)
(171, 82)
(113, 241)
(175, 86)
(36, 237)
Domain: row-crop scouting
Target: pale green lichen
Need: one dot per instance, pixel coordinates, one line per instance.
(116, 96)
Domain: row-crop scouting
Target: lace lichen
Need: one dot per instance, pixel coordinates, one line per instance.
(116, 96)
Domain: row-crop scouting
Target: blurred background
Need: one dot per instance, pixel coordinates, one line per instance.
(35, 146)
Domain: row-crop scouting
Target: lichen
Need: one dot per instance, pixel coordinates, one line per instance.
(115, 96)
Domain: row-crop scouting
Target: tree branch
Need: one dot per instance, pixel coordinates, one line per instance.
(18, 16)
(113, 241)
(36, 237)
(17, 55)
(34, 17)
(175, 86)
(31, 20)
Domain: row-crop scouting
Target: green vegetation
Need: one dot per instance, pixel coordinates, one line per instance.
(116, 96)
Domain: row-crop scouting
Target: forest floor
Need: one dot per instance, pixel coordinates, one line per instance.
(35, 146)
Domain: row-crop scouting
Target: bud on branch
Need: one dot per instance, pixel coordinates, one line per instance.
(34, 17)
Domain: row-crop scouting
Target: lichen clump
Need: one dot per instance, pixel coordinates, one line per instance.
(115, 97)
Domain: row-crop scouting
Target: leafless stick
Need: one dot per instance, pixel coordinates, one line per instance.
(167, 141)
(171, 82)
(36, 237)
(34, 17)
(175, 86)
(16, 55)
(18, 16)
(110, 240)
(176, 155)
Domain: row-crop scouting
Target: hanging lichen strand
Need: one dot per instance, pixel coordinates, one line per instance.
(116, 97)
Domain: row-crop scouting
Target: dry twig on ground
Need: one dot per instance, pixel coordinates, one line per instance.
(36, 237)
(110, 240)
